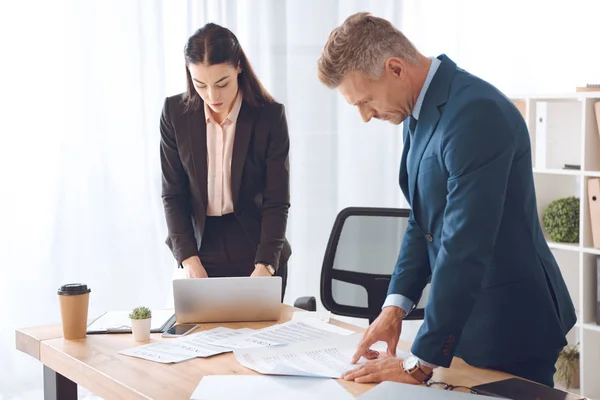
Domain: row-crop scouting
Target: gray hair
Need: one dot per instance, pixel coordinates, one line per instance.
(362, 44)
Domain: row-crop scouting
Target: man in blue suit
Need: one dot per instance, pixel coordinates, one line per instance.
(497, 297)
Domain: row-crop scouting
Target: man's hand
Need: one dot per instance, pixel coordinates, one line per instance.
(260, 270)
(193, 268)
(387, 327)
(385, 369)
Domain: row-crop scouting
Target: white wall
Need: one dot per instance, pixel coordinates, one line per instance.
(531, 46)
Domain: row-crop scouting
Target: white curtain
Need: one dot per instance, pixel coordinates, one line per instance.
(80, 198)
(83, 84)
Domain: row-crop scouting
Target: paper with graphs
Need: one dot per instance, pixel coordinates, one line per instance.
(223, 340)
(329, 357)
(201, 344)
(286, 333)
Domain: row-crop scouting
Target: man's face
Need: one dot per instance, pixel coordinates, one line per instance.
(387, 98)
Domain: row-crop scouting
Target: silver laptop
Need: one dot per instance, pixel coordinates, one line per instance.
(227, 299)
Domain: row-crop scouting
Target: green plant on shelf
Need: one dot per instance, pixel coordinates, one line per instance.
(561, 220)
(140, 313)
(567, 367)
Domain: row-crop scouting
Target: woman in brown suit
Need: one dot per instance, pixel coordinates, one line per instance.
(225, 168)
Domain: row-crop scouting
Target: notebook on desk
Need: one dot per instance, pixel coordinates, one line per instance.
(401, 391)
(119, 322)
(519, 389)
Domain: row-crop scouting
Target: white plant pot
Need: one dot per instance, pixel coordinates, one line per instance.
(141, 329)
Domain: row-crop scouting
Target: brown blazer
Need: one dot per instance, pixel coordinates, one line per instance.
(259, 178)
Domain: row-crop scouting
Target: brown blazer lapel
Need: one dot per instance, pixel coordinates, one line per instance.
(243, 131)
(197, 136)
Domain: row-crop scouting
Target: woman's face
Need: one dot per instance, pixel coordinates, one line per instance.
(217, 85)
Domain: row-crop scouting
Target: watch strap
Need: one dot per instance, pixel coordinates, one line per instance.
(420, 375)
(417, 372)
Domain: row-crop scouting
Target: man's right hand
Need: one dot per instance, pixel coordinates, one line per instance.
(387, 328)
(193, 268)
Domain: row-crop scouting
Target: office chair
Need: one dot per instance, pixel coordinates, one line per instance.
(358, 263)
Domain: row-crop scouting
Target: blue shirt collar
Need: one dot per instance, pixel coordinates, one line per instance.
(435, 63)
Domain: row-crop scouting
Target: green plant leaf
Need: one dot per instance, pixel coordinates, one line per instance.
(140, 313)
(561, 220)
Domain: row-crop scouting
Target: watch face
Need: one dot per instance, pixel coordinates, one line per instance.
(410, 362)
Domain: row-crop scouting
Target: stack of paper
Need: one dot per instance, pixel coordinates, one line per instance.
(242, 387)
(329, 357)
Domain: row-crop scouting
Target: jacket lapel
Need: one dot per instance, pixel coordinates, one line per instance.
(425, 128)
(243, 132)
(403, 172)
(436, 96)
(197, 136)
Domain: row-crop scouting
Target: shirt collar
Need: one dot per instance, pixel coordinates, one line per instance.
(435, 63)
(233, 114)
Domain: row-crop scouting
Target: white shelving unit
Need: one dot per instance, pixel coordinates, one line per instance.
(566, 124)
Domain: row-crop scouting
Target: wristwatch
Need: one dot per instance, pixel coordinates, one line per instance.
(412, 366)
(269, 268)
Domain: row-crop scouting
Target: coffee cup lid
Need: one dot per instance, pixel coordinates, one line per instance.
(73, 289)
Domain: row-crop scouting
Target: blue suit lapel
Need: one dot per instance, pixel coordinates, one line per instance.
(436, 96)
(403, 171)
(428, 121)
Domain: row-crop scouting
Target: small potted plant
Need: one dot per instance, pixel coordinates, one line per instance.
(561, 220)
(140, 323)
(567, 367)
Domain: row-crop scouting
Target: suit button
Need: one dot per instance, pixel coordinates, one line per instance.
(429, 238)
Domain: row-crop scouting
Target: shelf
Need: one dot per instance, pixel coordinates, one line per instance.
(560, 96)
(592, 327)
(571, 172)
(590, 250)
(564, 246)
(564, 129)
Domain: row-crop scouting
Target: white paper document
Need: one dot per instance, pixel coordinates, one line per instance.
(286, 333)
(244, 387)
(329, 357)
(201, 344)
(301, 315)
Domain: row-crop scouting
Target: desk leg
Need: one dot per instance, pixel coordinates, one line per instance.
(57, 387)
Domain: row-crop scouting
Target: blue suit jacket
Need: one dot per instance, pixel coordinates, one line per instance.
(497, 295)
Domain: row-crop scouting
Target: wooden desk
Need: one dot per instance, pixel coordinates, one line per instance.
(93, 362)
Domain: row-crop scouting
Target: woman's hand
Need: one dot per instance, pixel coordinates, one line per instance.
(260, 270)
(193, 268)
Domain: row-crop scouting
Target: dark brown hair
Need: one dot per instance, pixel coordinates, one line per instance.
(213, 44)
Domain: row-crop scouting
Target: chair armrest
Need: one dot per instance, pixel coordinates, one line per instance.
(308, 303)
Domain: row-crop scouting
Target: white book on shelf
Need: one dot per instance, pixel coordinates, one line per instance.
(541, 134)
(557, 134)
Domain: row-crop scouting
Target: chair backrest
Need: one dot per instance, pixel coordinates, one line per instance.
(359, 261)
